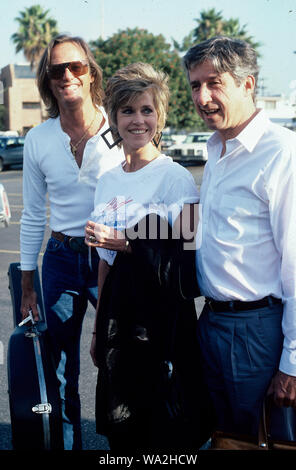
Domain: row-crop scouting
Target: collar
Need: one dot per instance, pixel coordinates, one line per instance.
(249, 136)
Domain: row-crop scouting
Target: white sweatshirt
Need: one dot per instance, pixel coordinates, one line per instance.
(123, 198)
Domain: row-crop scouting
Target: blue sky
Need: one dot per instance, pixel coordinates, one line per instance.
(272, 22)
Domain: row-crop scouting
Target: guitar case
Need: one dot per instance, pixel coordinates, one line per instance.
(33, 387)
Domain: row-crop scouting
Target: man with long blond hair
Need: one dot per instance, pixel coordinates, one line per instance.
(63, 157)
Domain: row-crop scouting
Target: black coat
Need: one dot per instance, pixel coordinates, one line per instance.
(144, 321)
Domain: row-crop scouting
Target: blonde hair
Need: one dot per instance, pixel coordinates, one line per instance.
(131, 81)
(43, 82)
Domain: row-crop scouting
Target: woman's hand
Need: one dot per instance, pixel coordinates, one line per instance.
(103, 236)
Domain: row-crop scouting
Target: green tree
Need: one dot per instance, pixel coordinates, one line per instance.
(138, 45)
(35, 31)
(211, 23)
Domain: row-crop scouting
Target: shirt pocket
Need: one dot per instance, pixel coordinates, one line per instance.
(239, 219)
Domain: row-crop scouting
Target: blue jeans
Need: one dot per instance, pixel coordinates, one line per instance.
(241, 353)
(69, 280)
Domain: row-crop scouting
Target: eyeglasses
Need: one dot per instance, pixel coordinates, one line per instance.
(77, 67)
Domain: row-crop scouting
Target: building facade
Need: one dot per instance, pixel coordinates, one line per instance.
(23, 106)
(279, 109)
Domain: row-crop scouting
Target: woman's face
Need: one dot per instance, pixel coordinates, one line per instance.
(137, 122)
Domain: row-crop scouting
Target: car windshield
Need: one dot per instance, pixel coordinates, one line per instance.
(191, 138)
(2, 144)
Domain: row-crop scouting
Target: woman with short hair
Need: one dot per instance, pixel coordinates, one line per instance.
(144, 340)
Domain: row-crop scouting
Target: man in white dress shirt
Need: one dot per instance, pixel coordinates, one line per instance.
(246, 261)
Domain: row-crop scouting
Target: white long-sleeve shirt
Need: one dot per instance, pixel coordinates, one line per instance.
(49, 167)
(247, 229)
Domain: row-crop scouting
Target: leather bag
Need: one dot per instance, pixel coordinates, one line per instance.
(263, 441)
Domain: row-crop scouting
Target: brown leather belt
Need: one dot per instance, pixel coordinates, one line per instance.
(59, 236)
(75, 243)
(238, 305)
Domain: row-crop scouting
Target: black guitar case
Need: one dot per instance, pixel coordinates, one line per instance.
(34, 399)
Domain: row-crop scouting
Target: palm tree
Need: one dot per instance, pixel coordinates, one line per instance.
(232, 28)
(35, 31)
(211, 23)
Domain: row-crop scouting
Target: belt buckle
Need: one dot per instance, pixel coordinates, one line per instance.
(77, 245)
(231, 306)
(209, 303)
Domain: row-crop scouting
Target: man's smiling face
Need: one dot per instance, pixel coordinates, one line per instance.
(69, 90)
(221, 103)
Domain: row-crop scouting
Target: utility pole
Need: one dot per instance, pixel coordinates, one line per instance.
(102, 20)
(261, 87)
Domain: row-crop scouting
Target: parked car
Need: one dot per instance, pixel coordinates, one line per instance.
(168, 140)
(9, 133)
(192, 150)
(11, 151)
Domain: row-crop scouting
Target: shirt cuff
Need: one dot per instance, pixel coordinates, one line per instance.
(28, 266)
(288, 362)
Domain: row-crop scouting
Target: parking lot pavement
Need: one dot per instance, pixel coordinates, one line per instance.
(9, 253)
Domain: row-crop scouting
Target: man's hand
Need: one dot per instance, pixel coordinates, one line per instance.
(29, 296)
(283, 388)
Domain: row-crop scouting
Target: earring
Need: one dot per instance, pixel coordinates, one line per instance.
(106, 140)
(156, 142)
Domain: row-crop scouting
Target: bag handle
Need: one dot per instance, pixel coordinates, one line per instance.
(264, 426)
(265, 423)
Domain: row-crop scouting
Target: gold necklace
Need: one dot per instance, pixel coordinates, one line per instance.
(75, 147)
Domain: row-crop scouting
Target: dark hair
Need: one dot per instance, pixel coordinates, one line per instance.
(227, 55)
(43, 82)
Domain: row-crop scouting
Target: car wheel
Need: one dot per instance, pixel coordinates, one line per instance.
(1, 164)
